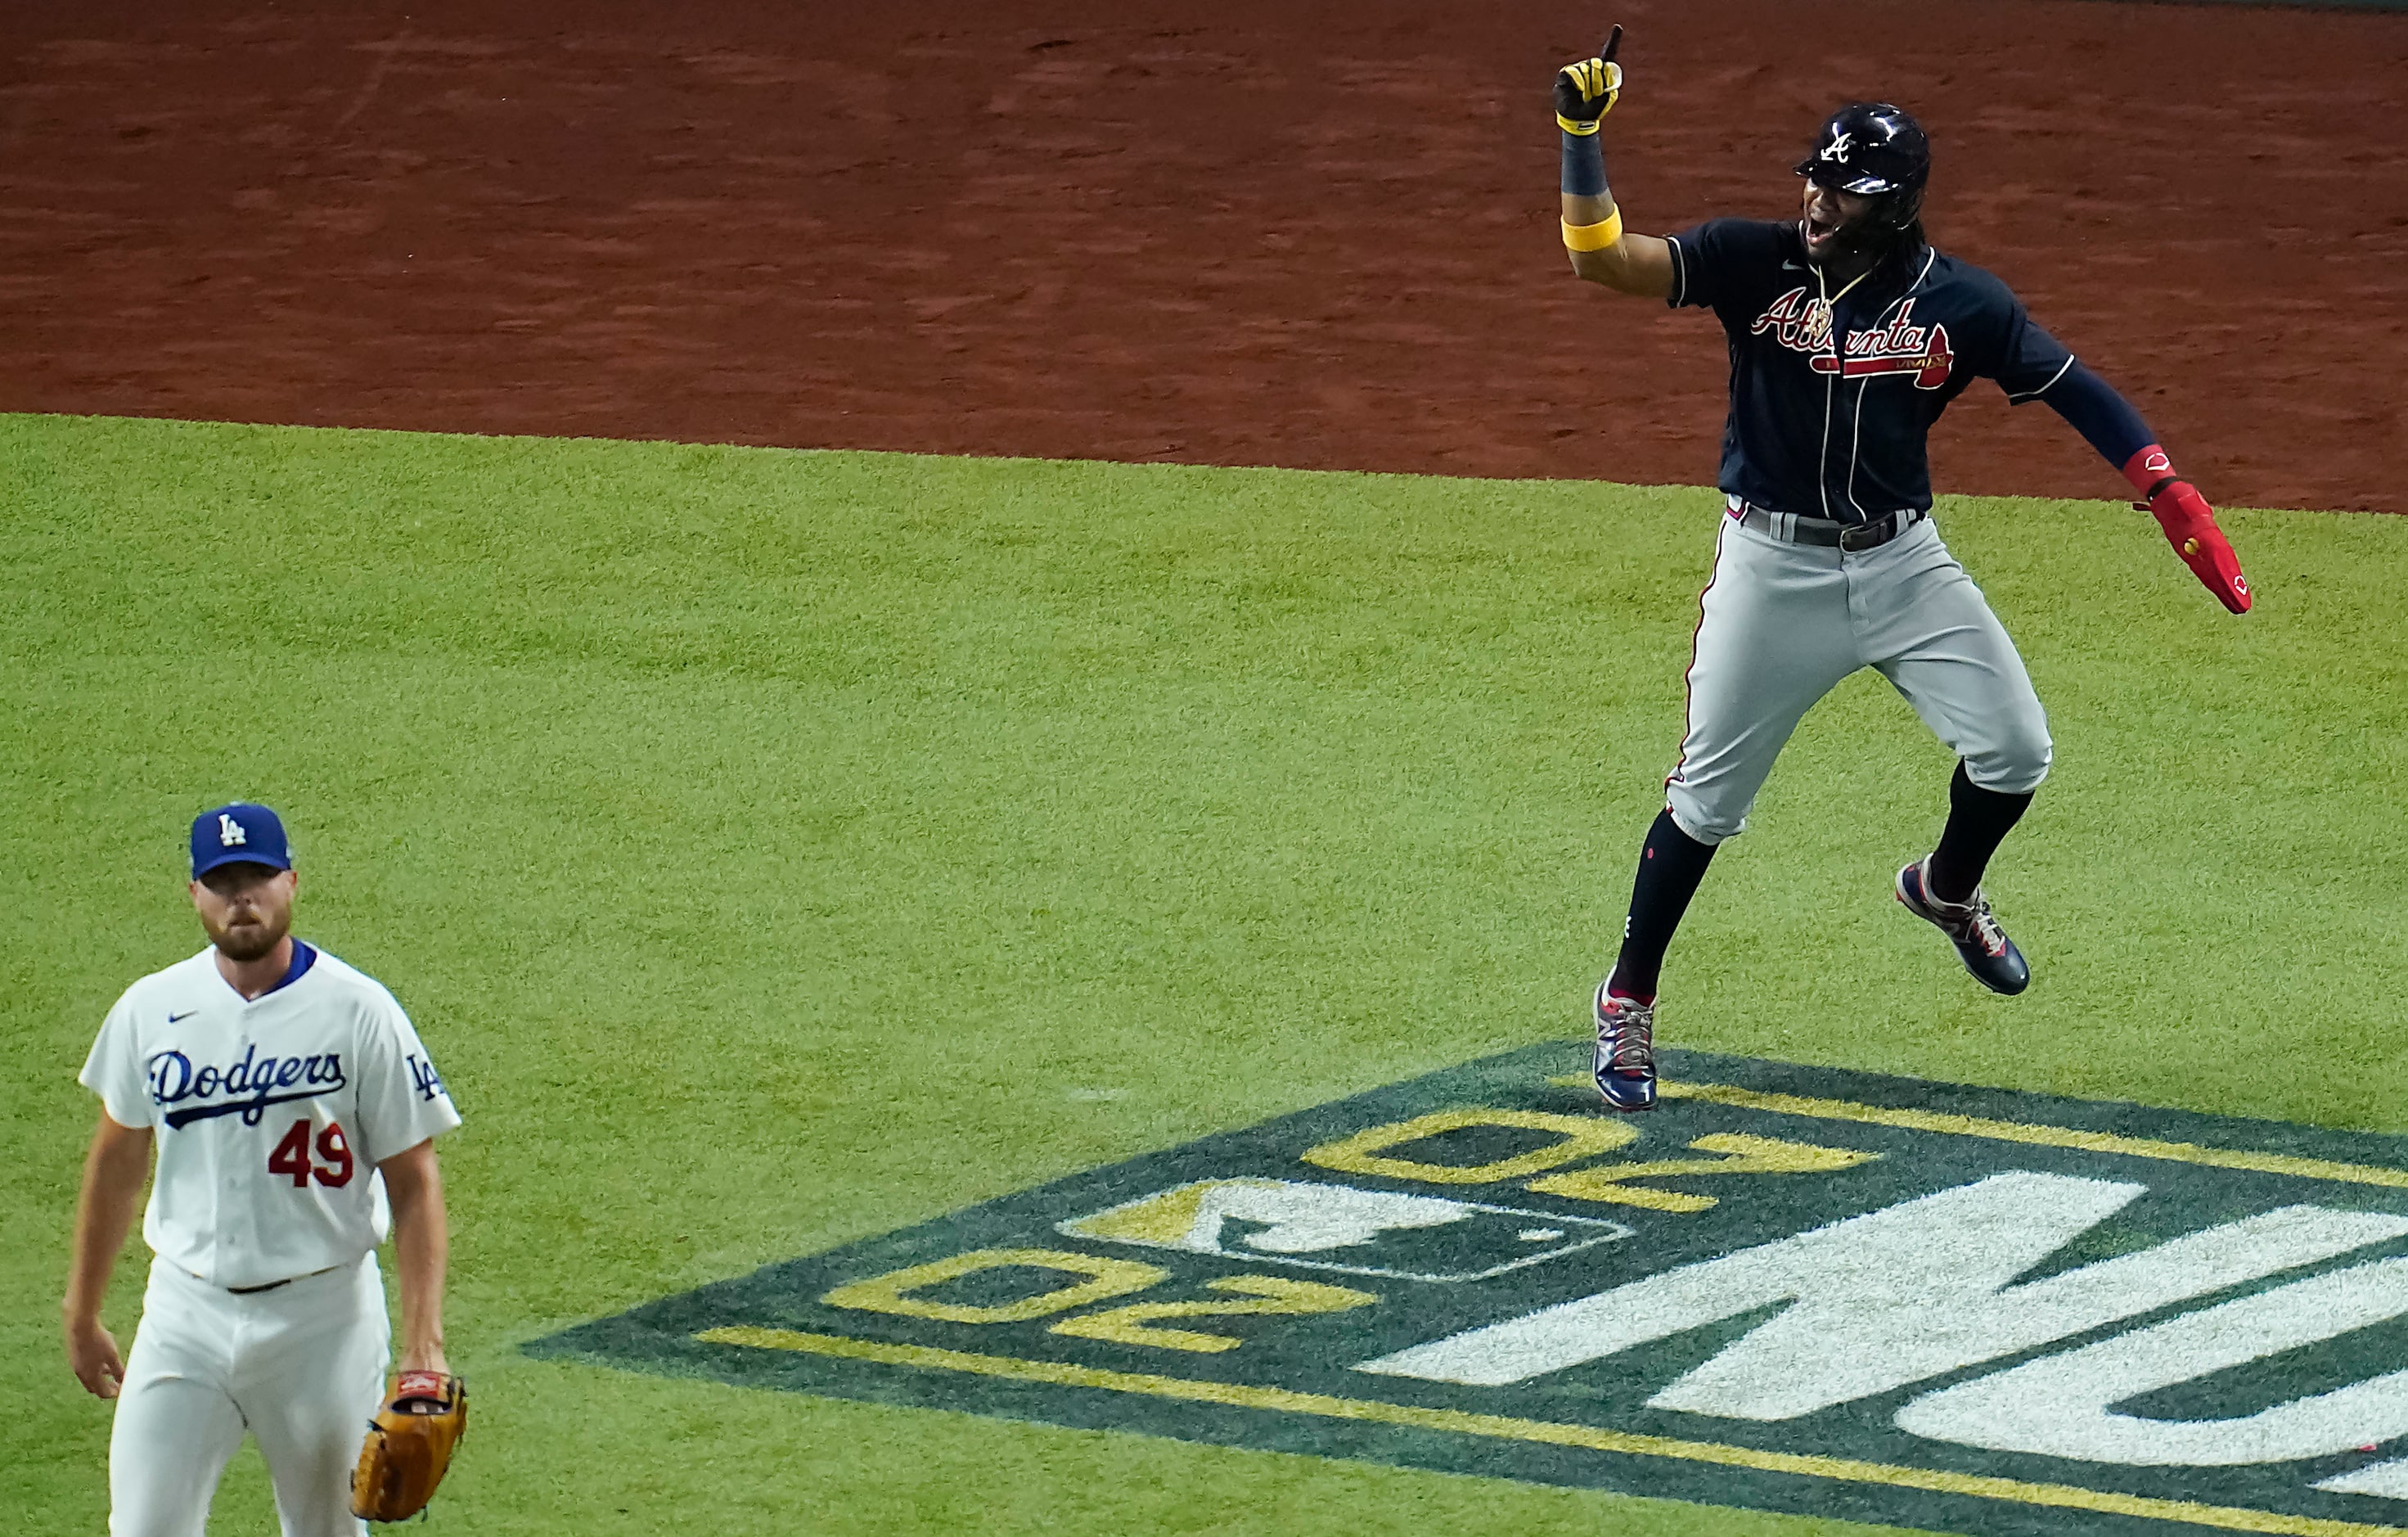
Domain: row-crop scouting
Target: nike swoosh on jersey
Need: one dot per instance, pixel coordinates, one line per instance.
(249, 1109)
(186, 1014)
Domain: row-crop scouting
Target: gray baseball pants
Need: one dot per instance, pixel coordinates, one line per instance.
(1782, 623)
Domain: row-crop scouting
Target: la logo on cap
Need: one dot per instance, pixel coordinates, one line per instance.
(229, 832)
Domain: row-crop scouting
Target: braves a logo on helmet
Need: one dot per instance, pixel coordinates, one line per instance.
(1803, 324)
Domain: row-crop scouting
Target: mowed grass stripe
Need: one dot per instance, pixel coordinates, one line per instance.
(1545, 1432)
(777, 849)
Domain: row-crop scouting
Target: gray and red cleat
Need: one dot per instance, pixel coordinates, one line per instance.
(1626, 1050)
(1981, 943)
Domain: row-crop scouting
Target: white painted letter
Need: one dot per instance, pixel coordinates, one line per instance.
(1892, 1297)
(2058, 1405)
(2384, 1480)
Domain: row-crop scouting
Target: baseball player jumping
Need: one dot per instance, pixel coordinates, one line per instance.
(1849, 335)
(288, 1099)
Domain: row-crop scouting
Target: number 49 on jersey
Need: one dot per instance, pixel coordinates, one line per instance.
(292, 1157)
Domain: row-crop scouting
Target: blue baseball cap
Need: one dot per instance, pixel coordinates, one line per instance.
(239, 834)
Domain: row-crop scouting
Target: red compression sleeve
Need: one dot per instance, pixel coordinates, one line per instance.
(2189, 525)
(2148, 469)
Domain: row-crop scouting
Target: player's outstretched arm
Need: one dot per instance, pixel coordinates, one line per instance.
(1602, 250)
(113, 1171)
(421, 1246)
(2108, 421)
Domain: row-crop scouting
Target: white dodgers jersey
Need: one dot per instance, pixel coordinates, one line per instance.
(270, 1113)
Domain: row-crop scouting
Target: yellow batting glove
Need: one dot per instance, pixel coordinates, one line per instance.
(1585, 91)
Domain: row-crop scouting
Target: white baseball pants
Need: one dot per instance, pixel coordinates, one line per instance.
(1782, 623)
(301, 1367)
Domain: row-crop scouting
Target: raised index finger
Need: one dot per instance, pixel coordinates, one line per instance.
(1612, 42)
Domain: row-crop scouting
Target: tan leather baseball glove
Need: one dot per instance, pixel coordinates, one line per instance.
(409, 1445)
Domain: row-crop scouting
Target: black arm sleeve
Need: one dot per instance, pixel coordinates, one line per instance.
(2104, 418)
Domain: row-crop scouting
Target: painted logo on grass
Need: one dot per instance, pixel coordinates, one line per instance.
(1793, 1288)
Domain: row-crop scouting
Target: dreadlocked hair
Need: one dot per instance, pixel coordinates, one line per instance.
(1904, 250)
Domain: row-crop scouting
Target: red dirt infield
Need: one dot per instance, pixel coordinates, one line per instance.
(1319, 235)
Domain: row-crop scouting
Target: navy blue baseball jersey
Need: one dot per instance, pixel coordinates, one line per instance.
(1837, 432)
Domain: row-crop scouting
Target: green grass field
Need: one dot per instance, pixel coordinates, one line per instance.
(776, 849)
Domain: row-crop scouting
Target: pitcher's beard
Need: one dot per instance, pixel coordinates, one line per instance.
(248, 941)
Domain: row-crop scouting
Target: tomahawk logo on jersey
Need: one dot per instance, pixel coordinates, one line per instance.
(1837, 431)
(1802, 323)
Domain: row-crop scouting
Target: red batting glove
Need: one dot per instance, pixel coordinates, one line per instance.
(2190, 527)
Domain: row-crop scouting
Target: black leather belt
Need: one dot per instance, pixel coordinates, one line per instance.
(271, 1285)
(1793, 528)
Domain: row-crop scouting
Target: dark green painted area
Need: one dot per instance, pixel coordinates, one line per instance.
(1315, 1353)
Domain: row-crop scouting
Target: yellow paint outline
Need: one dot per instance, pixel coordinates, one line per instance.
(1734, 1153)
(891, 1292)
(1583, 1137)
(2025, 1131)
(1545, 1432)
(1275, 1296)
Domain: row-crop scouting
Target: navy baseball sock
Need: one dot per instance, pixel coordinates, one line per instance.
(1978, 821)
(1669, 867)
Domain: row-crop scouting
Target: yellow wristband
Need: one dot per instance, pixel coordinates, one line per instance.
(1583, 129)
(1594, 237)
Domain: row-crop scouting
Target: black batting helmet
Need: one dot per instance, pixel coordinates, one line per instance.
(1875, 150)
